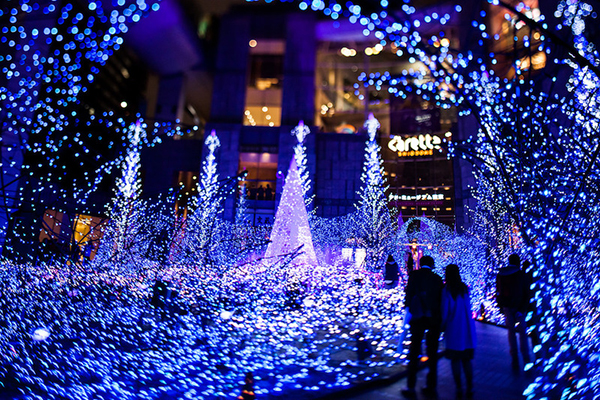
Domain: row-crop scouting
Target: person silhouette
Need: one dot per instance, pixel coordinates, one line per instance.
(512, 296)
(459, 328)
(390, 273)
(253, 193)
(248, 388)
(423, 299)
(261, 193)
(410, 263)
(268, 193)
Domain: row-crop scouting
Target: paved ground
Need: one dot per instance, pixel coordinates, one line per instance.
(493, 378)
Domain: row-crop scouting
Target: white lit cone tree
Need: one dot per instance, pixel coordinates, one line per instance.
(202, 224)
(300, 132)
(123, 241)
(372, 218)
(291, 231)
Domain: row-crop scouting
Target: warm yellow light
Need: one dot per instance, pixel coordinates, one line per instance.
(123, 104)
(445, 42)
(346, 52)
(265, 109)
(369, 51)
(252, 43)
(538, 60)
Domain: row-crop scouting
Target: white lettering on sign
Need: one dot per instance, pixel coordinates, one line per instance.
(415, 143)
(417, 197)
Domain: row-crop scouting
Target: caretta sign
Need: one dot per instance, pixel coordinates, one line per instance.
(421, 145)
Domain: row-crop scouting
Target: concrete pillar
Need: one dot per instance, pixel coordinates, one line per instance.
(298, 102)
(170, 99)
(152, 87)
(229, 89)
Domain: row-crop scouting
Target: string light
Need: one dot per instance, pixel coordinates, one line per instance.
(535, 158)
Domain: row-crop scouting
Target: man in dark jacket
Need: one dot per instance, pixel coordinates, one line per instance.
(390, 273)
(512, 296)
(423, 299)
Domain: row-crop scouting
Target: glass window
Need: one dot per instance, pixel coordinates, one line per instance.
(261, 178)
(513, 40)
(86, 235)
(266, 71)
(264, 87)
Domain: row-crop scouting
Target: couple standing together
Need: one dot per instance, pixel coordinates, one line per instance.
(435, 307)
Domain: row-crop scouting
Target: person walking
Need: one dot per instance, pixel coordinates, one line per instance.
(423, 298)
(512, 296)
(390, 275)
(459, 328)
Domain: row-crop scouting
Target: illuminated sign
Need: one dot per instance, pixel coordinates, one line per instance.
(426, 199)
(416, 197)
(422, 145)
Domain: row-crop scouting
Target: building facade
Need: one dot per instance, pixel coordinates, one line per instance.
(276, 66)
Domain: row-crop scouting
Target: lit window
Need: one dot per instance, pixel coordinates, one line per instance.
(263, 91)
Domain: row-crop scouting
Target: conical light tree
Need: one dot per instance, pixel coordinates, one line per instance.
(300, 132)
(206, 202)
(123, 232)
(202, 222)
(291, 231)
(373, 217)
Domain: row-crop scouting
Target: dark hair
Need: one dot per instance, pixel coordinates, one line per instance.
(514, 259)
(454, 282)
(427, 260)
(410, 263)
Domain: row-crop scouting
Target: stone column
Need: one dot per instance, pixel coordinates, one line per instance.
(229, 89)
(298, 102)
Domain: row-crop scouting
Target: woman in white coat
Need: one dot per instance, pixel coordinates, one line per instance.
(457, 322)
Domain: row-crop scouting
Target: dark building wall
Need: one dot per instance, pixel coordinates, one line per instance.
(339, 163)
(335, 161)
(170, 96)
(229, 87)
(298, 101)
(161, 164)
(297, 30)
(259, 139)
